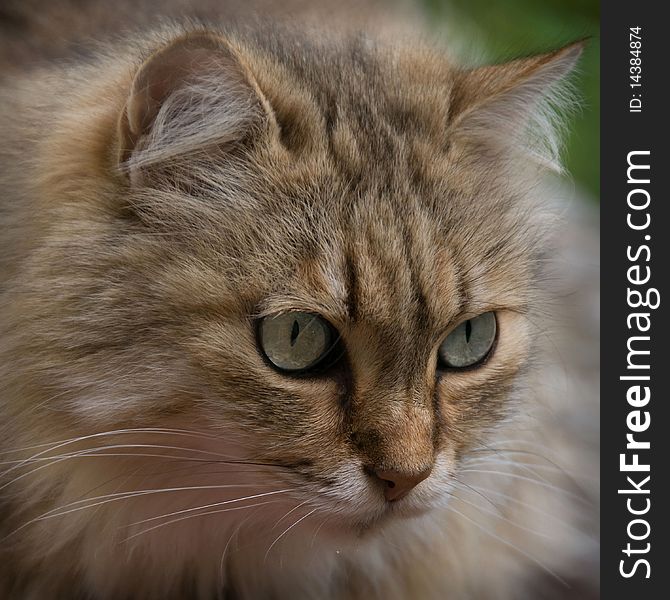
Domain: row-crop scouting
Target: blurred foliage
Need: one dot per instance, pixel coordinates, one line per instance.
(496, 30)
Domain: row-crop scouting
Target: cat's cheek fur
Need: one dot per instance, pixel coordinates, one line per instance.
(130, 493)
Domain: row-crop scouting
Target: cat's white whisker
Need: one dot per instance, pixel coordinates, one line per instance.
(531, 468)
(89, 454)
(73, 507)
(141, 430)
(475, 491)
(551, 473)
(101, 451)
(138, 445)
(318, 529)
(194, 516)
(523, 444)
(511, 545)
(571, 476)
(296, 507)
(531, 507)
(528, 479)
(516, 451)
(136, 493)
(498, 515)
(58, 445)
(188, 510)
(283, 533)
(230, 539)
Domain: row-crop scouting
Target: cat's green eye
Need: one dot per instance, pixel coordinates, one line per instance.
(470, 342)
(295, 341)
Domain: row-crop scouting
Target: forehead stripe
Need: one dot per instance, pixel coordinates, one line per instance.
(351, 282)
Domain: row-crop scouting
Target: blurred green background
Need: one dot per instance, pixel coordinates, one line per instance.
(504, 29)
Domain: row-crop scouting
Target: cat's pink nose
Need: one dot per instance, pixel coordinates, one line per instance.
(398, 484)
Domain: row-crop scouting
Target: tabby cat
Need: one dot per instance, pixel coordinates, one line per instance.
(278, 317)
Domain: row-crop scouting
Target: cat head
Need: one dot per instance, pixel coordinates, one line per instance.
(324, 256)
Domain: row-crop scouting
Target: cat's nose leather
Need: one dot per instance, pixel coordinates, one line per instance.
(398, 484)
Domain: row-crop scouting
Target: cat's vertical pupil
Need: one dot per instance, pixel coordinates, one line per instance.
(295, 341)
(295, 332)
(470, 342)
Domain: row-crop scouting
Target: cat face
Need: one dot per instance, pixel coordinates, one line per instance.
(327, 275)
(386, 292)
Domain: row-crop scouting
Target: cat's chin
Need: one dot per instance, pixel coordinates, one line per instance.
(370, 523)
(393, 513)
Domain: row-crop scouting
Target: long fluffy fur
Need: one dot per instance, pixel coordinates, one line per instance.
(358, 183)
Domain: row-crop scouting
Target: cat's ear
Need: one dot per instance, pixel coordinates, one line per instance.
(517, 105)
(194, 92)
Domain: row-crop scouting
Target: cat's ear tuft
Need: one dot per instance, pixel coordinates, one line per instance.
(194, 92)
(519, 105)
